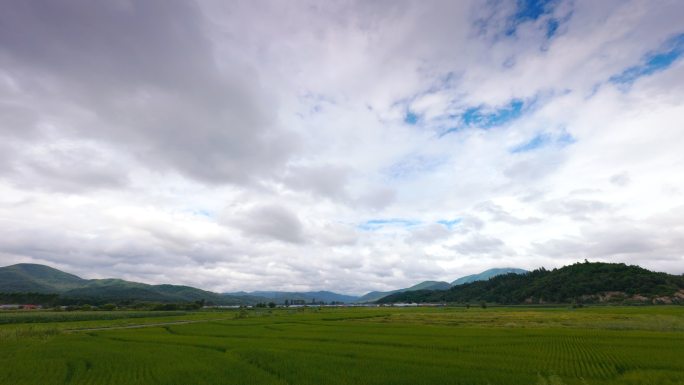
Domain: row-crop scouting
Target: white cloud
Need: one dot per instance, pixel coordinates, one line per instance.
(242, 146)
(271, 222)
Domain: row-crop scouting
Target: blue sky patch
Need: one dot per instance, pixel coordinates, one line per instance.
(411, 118)
(652, 62)
(450, 223)
(478, 116)
(530, 10)
(486, 118)
(414, 164)
(540, 140)
(551, 27)
(565, 139)
(376, 224)
(202, 213)
(543, 140)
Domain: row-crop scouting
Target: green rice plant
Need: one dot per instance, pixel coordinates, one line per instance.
(360, 346)
(30, 332)
(22, 317)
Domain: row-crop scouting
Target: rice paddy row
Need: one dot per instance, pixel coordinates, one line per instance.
(365, 346)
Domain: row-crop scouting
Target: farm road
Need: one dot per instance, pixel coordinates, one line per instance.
(137, 326)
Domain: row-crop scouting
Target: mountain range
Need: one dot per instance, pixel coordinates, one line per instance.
(487, 274)
(441, 285)
(306, 296)
(580, 282)
(425, 285)
(35, 278)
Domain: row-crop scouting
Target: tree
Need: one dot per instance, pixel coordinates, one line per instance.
(271, 305)
(241, 314)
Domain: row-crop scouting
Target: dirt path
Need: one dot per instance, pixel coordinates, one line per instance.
(137, 326)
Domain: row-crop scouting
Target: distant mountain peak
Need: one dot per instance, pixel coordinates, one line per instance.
(425, 285)
(307, 296)
(487, 274)
(37, 278)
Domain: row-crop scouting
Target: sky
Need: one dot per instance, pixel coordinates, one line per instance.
(343, 145)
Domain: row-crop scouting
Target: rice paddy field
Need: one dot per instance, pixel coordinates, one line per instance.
(599, 345)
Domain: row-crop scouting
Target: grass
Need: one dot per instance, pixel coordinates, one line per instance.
(356, 346)
(17, 317)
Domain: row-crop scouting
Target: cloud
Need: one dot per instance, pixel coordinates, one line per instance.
(430, 233)
(271, 222)
(69, 167)
(480, 244)
(636, 244)
(621, 179)
(578, 209)
(297, 146)
(498, 214)
(323, 181)
(377, 198)
(146, 73)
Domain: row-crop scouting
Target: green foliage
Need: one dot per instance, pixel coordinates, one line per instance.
(554, 286)
(166, 306)
(28, 333)
(43, 299)
(242, 313)
(28, 317)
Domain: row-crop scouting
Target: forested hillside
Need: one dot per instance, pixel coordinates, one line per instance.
(587, 282)
(32, 283)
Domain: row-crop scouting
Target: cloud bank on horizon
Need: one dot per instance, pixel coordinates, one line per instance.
(347, 146)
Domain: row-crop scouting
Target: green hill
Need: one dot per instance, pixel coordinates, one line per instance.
(33, 278)
(425, 285)
(430, 285)
(487, 274)
(583, 282)
(373, 296)
(28, 277)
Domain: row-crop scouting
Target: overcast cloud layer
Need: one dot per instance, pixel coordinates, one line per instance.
(347, 146)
